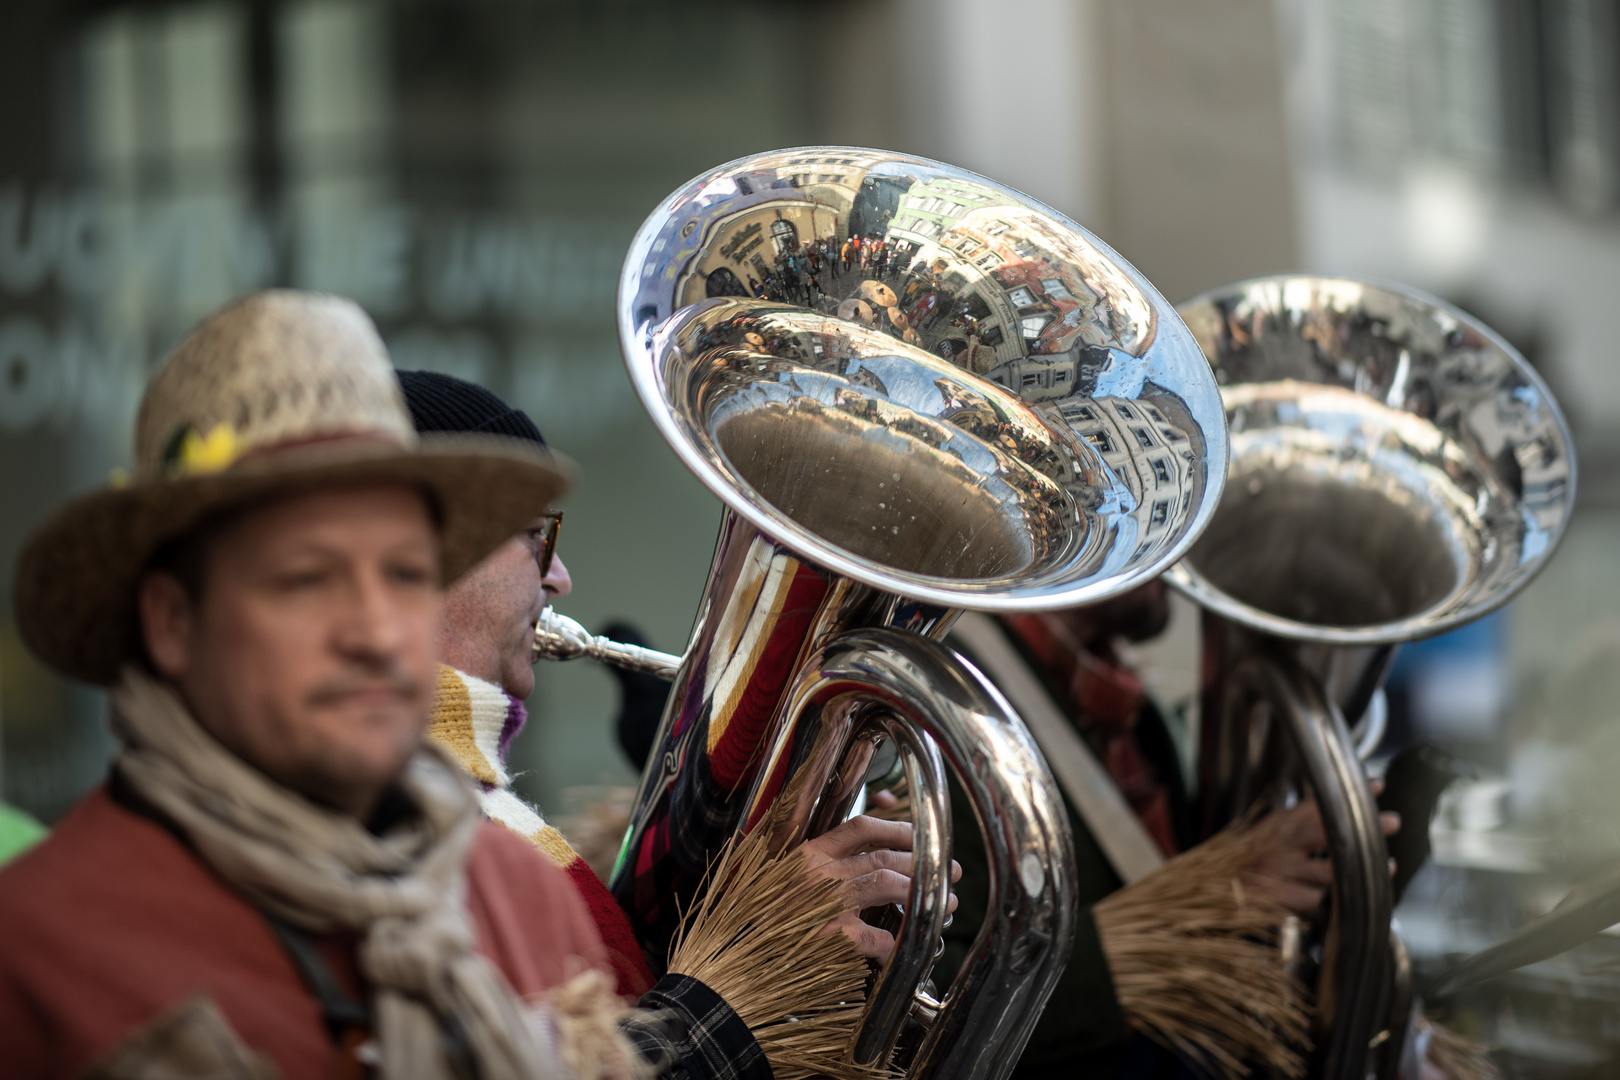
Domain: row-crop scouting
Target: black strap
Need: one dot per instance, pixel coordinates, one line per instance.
(341, 1012)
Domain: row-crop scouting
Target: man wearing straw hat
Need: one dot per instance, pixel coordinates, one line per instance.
(279, 878)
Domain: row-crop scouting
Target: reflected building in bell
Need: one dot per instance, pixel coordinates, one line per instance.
(1022, 291)
(1145, 447)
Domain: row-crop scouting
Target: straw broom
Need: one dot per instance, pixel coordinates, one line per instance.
(1166, 939)
(756, 937)
(1194, 959)
(1195, 962)
(1455, 1056)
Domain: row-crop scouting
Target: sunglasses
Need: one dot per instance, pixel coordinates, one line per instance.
(548, 550)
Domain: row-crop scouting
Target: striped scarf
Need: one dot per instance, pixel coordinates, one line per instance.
(475, 722)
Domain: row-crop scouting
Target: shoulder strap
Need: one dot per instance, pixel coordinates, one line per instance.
(1081, 776)
(341, 1012)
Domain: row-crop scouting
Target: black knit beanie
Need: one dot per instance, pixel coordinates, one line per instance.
(445, 403)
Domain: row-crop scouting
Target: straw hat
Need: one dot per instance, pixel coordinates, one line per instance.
(275, 393)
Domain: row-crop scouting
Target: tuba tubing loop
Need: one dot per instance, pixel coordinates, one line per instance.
(1362, 895)
(938, 708)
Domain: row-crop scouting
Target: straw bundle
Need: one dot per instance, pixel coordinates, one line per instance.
(578, 1022)
(756, 937)
(1455, 1056)
(1195, 962)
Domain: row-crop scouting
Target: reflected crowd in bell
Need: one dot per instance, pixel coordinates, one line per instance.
(1015, 352)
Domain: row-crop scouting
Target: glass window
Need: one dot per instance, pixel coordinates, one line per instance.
(470, 172)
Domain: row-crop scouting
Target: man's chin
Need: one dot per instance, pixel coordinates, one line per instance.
(517, 679)
(365, 765)
(374, 731)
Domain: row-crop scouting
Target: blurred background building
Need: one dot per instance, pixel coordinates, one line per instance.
(472, 170)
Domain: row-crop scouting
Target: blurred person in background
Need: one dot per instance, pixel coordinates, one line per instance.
(280, 876)
(1279, 863)
(485, 645)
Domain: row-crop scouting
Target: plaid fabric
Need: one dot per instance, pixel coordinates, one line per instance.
(688, 1032)
(1105, 700)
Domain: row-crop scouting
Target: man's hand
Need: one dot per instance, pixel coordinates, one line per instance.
(1295, 872)
(873, 859)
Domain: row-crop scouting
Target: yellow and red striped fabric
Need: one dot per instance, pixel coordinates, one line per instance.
(475, 721)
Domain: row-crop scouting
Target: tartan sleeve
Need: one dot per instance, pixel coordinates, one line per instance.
(687, 1032)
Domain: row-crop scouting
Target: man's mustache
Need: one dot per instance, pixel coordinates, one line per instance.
(337, 689)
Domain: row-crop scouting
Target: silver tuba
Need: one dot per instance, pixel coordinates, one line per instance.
(916, 391)
(1397, 470)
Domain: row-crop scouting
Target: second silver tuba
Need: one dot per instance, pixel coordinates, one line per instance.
(916, 391)
(1397, 470)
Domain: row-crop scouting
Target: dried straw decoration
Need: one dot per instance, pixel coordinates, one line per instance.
(1195, 962)
(757, 938)
(1457, 1057)
(579, 1023)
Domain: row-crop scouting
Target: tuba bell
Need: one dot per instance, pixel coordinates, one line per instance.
(1397, 470)
(917, 391)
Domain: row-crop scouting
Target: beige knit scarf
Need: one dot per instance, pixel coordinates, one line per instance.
(401, 892)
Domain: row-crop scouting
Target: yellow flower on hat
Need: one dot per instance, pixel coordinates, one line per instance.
(202, 455)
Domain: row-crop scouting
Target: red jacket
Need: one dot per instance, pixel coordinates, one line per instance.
(112, 921)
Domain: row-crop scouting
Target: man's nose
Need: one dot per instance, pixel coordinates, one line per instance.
(375, 625)
(557, 582)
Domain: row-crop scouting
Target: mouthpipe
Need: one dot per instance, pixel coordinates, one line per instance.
(557, 637)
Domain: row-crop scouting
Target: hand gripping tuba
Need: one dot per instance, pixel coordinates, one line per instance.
(916, 391)
(1397, 470)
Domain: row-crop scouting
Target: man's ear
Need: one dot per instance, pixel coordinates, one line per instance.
(166, 622)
